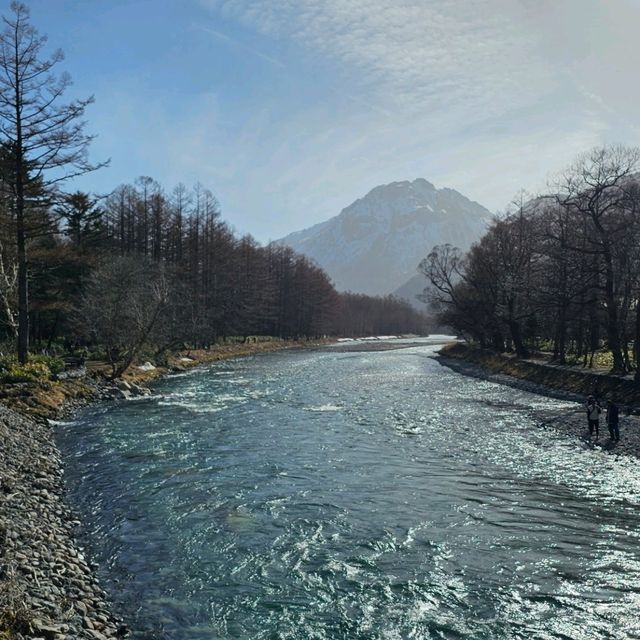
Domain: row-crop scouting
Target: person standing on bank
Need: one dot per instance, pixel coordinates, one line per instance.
(593, 416)
(613, 413)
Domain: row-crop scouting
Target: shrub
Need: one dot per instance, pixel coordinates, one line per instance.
(603, 359)
(38, 369)
(80, 352)
(55, 365)
(91, 354)
(6, 362)
(29, 372)
(231, 340)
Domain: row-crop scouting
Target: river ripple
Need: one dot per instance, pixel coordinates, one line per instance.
(321, 494)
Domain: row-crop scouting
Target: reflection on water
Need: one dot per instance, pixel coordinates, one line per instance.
(354, 495)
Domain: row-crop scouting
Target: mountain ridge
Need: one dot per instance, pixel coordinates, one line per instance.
(375, 244)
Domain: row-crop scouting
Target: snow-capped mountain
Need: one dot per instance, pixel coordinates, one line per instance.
(375, 245)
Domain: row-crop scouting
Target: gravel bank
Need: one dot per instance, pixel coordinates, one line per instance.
(47, 588)
(572, 421)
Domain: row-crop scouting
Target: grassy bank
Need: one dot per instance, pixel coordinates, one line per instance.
(574, 380)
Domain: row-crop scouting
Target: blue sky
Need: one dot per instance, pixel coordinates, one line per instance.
(288, 110)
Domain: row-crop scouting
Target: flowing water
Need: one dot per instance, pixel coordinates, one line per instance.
(323, 494)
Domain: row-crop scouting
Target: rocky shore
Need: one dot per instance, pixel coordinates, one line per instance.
(47, 587)
(570, 421)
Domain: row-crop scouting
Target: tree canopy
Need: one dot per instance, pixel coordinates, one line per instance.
(560, 271)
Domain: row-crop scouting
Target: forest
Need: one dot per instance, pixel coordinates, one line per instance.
(140, 268)
(559, 273)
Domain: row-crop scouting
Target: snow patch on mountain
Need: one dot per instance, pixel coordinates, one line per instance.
(375, 244)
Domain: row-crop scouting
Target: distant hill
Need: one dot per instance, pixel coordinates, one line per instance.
(375, 244)
(411, 289)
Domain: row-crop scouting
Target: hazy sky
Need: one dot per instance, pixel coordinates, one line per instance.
(288, 110)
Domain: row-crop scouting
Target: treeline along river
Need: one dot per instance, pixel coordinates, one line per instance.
(330, 494)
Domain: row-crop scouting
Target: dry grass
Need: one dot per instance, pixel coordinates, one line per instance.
(15, 615)
(43, 399)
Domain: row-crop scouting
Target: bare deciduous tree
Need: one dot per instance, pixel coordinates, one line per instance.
(44, 138)
(122, 305)
(597, 189)
(8, 292)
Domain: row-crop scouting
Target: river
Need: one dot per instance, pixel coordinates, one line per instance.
(325, 494)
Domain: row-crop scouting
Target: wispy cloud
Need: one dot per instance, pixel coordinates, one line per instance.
(487, 96)
(291, 109)
(413, 54)
(242, 46)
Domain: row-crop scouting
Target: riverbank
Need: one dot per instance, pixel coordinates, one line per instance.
(47, 587)
(54, 399)
(563, 383)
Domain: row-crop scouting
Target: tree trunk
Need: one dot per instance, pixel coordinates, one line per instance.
(636, 344)
(613, 334)
(54, 331)
(560, 349)
(21, 240)
(23, 276)
(516, 336)
(594, 332)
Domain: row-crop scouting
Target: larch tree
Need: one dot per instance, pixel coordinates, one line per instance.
(82, 217)
(44, 136)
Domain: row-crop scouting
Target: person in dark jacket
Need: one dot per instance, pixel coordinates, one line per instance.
(593, 416)
(613, 413)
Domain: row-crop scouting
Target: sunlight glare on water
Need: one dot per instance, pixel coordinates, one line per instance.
(327, 494)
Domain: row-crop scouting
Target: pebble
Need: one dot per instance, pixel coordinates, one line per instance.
(41, 564)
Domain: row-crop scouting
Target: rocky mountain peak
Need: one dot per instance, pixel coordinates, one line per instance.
(375, 244)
